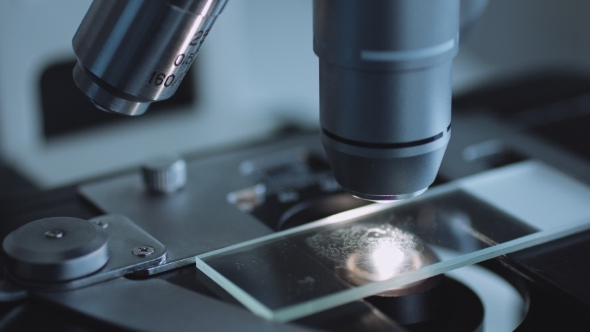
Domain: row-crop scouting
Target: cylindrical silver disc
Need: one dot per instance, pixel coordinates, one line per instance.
(56, 249)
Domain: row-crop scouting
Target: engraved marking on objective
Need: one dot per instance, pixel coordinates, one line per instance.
(190, 59)
(196, 38)
(182, 59)
(199, 37)
(178, 60)
(179, 78)
(169, 80)
(161, 78)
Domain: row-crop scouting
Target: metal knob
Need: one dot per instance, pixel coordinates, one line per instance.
(165, 174)
(56, 249)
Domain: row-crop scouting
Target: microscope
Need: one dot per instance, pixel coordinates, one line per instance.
(283, 235)
(385, 78)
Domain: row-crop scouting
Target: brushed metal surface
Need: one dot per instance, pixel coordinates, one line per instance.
(198, 218)
(157, 305)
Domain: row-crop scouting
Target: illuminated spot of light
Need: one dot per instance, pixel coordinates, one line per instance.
(387, 261)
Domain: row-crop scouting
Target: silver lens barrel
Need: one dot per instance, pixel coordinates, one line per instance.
(134, 52)
(385, 91)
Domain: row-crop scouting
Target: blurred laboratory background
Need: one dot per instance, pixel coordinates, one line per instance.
(255, 74)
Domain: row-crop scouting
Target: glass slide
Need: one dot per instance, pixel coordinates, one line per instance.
(386, 249)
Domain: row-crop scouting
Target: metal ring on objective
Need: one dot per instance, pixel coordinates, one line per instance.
(383, 145)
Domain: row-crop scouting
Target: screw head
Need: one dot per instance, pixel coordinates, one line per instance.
(101, 223)
(54, 234)
(143, 251)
